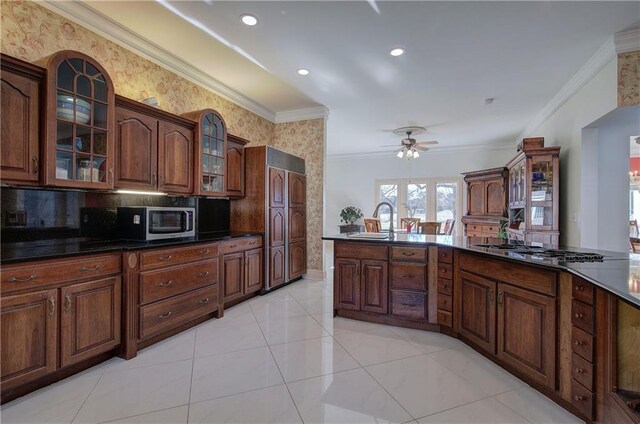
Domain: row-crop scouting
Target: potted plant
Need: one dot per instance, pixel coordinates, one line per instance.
(349, 216)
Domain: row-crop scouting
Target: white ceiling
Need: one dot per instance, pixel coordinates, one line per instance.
(458, 54)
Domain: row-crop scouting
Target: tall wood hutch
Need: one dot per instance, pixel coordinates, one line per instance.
(486, 201)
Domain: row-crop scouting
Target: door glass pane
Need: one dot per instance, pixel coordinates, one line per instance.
(446, 198)
(417, 201)
(65, 76)
(388, 193)
(65, 136)
(100, 142)
(83, 139)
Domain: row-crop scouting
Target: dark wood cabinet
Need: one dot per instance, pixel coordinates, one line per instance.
(277, 188)
(477, 310)
(277, 227)
(375, 287)
(20, 121)
(235, 162)
(297, 190)
(175, 158)
(90, 319)
(29, 336)
(137, 150)
(297, 225)
(232, 276)
(475, 198)
(297, 259)
(242, 268)
(347, 284)
(276, 265)
(253, 280)
(526, 333)
(486, 202)
(80, 120)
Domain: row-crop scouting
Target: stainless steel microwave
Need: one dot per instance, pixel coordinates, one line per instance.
(155, 223)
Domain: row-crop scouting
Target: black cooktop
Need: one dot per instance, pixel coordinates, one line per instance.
(542, 252)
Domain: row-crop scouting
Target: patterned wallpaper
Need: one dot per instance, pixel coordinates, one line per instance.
(629, 79)
(305, 139)
(31, 32)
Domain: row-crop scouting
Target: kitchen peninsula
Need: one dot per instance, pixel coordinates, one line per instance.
(562, 324)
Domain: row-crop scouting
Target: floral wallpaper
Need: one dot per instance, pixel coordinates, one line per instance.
(305, 139)
(629, 79)
(32, 33)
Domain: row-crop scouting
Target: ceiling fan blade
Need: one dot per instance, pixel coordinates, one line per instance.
(427, 142)
(390, 145)
(422, 149)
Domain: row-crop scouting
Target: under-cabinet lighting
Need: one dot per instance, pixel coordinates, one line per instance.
(143, 193)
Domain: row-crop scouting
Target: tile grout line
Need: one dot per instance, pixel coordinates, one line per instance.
(86, 399)
(144, 413)
(193, 365)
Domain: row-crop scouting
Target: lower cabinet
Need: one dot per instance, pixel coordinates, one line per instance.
(253, 279)
(346, 284)
(242, 273)
(232, 276)
(374, 286)
(477, 310)
(297, 259)
(276, 266)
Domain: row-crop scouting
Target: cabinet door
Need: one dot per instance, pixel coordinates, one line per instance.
(374, 285)
(477, 310)
(297, 259)
(494, 196)
(29, 336)
(253, 266)
(297, 225)
(232, 276)
(276, 266)
(136, 150)
(90, 319)
(277, 224)
(277, 188)
(234, 174)
(526, 333)
(475, 198)
(20, 132)
(346, 283)
(175, 158)
(210, 152)
(297, 190)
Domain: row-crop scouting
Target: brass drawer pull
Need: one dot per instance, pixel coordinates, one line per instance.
(231, 246)
(579, 371)
(579, 287)
(409, 253)
(410, 305)
(409, 276)
(165, 283)
(67, 307)
(491, 295)
(204, 251)
(35, 164)
(165, 257)
(21, 280)
(253, 242)
(579, 315)
(203, 274)
(205, 300)
(165, 315)
(52, 302)
(500, 293)
(578, 398)
(86, 269)
(579, 343)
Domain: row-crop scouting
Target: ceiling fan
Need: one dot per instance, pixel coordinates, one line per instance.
(409, 147)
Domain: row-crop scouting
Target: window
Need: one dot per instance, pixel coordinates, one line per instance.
(430, 199)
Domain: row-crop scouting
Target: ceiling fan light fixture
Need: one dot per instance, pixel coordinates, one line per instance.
(416, 154)
(410, 153)
(400, 154)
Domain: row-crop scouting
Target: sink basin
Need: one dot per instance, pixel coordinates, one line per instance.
(379, 236)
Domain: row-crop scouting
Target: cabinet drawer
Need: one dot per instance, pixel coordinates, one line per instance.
(445, 271)
(240, 244)
(445, 286)
(582, 290)
(167, 313)
(490, 230)
(445, 302)
(406, 276)
(361, 251)
(32, 274)
(409, 305)
(176, 256)
(582, 371)
(582, 399)
(582, 316)
(445, 254)
(445, 318)
(582, 343)
(164, 283)
(409, 253)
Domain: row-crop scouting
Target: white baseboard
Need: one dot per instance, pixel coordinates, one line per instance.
(316, 274)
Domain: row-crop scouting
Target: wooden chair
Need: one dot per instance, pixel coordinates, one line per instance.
(411, 222)
(635, 246)
(448, 227)
(372, 225)
(429, 227)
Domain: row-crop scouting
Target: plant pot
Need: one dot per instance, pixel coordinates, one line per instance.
(351, 228)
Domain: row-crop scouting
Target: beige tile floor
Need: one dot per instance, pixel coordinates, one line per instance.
(283, 358)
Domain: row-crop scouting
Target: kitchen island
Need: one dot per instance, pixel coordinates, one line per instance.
(566, 321)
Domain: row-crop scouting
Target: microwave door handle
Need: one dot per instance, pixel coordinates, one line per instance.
(187, 221)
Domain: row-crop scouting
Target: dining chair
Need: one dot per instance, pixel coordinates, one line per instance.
(633, 228)
(412, 223)
(372, 225)
(634, 244)
(448, 227)
(429, 227)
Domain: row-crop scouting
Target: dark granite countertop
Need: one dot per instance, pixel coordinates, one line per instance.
(618, 273)
(50, 249)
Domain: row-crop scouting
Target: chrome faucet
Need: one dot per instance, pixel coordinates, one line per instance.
(375, 215)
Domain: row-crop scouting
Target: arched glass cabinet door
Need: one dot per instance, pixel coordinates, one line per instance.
(80, 117)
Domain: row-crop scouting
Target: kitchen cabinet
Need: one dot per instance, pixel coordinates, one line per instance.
(347, 284)
(486, 202)
(445, 288)
(297, 190)
(80, 121)
(409, 282)
(242, 268)
(253, 280)
(477, 310)
(276, 265)
(277, 188)
(235, 162)
(154, 149)
(297, 259)
(20, 133)
(374, 286)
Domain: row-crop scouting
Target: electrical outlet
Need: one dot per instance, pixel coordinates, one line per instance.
(573, 217)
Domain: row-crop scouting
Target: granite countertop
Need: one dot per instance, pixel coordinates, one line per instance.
(50, 249)
(618, 273)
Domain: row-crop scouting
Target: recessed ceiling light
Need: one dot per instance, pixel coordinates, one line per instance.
(397, 52)
(248, 19)
(303, 71)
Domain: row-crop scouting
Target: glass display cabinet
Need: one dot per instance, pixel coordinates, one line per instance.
(79, 145)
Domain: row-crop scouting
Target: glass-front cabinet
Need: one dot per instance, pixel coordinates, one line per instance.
(210, 147)
(80, 115)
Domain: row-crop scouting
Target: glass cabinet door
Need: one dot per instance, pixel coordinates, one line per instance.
(212, 153)
(541, 183)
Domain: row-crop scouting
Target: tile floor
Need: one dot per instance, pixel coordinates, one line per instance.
(283, 358)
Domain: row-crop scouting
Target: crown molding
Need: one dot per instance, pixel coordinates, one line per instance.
(599, 60)
(95, 21)
(627, 41)
(316, 112)
(432, 151)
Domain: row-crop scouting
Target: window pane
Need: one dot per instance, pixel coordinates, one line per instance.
(417, 201)
(387, 193)
(446, 196)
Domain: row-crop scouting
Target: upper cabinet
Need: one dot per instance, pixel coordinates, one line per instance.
(210, 152)
(21, 110)
(79, 136)
(297, 190)
(234, 174)
(486, 202)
